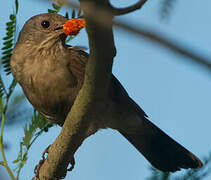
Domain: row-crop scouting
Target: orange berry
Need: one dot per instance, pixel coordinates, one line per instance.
(73, 26)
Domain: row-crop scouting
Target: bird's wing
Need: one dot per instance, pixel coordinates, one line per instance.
(78, 60)
(117, 92)
(120, 96)
(158, 148)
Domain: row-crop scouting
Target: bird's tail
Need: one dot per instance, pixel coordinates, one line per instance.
(161, 150)
(158, 148)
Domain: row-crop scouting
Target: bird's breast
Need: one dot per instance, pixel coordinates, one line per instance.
(51, 89)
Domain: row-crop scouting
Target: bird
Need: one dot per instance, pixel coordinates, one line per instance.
(51, 73)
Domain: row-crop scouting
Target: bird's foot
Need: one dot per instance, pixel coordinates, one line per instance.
(72, 162)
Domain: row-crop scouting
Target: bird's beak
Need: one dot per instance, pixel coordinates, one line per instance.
(59, 27)
(59, 30)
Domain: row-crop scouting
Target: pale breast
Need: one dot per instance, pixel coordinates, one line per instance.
(50, 87)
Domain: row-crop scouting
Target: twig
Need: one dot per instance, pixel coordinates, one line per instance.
(167, 42)
(164, 40)
(3, 112)
(121, 11)
(4, 162)
(2, 84)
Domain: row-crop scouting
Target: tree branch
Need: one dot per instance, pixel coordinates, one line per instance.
(166, 41)
(92, 98)
(90, 103)
(126, 10)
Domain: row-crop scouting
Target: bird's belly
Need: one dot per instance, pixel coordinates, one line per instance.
(51, 95)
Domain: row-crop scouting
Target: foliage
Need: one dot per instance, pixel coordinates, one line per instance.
(166, 8)
(30, 135)
(5, 94)
(2, 88)
(56, 7)
(158, 175)
(9, 40)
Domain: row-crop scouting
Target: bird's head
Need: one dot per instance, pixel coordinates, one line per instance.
(43, 30)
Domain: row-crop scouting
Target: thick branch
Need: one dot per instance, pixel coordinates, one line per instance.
(89, 104)
(129, 9)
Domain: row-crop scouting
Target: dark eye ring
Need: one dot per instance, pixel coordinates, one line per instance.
(45, 24)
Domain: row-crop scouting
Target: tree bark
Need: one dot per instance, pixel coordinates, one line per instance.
(90, 102)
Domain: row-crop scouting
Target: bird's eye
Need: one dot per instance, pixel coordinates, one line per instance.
(45, 24)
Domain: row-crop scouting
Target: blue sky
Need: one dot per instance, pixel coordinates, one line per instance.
(173, 92)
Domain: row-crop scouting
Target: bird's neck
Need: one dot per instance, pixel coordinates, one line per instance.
(45, 49)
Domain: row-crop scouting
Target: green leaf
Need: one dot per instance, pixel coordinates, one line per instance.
(10, 29)
(7, 46)
(7, 70)
(6, 65)
(9, 23)
(10, 33)
(30, 135)
(6, 57)
(12, 17)
(7, 37)
(56, 7)
(8, 42)
(19, 154)
(16, 6)
(51, 11)
(7, 52)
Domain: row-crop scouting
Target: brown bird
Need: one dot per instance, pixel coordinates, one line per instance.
(51, 75)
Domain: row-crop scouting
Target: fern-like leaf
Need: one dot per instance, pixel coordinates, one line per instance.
(56, 8)
(2, 88)
(30, 135)
(9, 40)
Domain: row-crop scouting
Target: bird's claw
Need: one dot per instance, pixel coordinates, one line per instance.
(72, 162)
